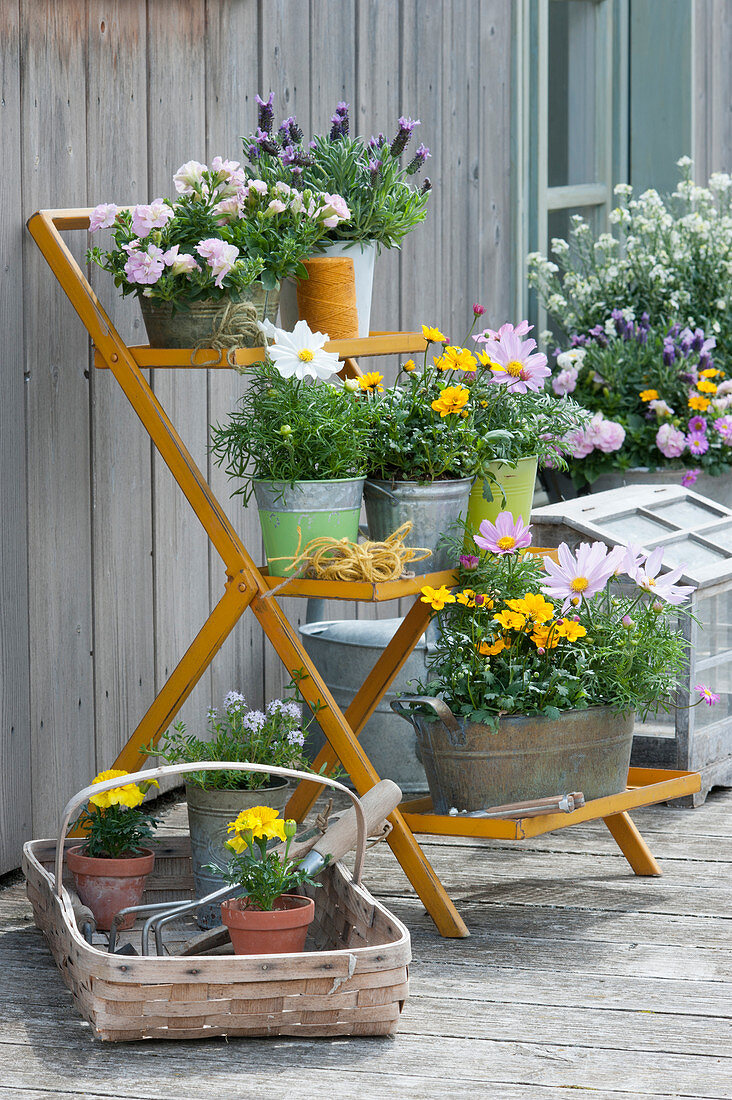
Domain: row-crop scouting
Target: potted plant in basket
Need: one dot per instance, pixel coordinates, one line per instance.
(237, 734)
(267, 918)
(375, 178)
(110, 868)
(539, 667)
(299, 440)
(210, 263)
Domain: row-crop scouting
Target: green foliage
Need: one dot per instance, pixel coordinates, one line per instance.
(287, 430)
(117, 831)
(264, 876)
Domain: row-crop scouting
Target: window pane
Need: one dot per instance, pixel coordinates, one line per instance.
(572, 93)
(558, 221)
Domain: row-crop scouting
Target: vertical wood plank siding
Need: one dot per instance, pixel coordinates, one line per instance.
(105, 576)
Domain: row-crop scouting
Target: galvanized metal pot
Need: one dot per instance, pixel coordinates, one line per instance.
(472, 767)
(293, 515)
(430, 506)
(168, 327)
(209, 814)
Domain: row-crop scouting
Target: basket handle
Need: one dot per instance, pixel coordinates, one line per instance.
(207, 766)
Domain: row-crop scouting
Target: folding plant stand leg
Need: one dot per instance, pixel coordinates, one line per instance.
(245, 584)
(631, 844)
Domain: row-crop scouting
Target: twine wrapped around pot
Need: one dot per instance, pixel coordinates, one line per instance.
(328, 559)
(237, 326)
(327, 298)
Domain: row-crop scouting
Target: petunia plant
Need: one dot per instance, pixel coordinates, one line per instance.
(262, 875)
(296, 421)
(114, 824)
(522, 635)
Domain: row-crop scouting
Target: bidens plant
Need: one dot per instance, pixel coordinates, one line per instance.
(522, 635)
(114, 824)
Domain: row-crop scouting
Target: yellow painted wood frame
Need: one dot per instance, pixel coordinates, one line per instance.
(247, 586)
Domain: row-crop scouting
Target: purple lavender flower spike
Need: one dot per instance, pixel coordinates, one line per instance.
(377, 142)
(283, 132)
(336, 128)
(253, 151)
(266, 113)
(697, 342)
(296, 134)
(669, 352)
(577, 340)
(289, 156)
(426, 186)
(399, 144)
(374, 169)
(418, 160)
(598, 335)
(686, 337)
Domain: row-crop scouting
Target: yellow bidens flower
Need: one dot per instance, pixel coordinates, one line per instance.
(371, 382)
(129, 795)
(534, 607)
(510, 620)
(451, 400)
(436, 597)
(433, 335)
(705, 386)
(410, 365)
(466, 597)
(711, 372)
(486, 649)
(545, 637)
(457, 359)
(259, 822)
(570, 630)
(648, 395)
(485, 359)
(699, 404)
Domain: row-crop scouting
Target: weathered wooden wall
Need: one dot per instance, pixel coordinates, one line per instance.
(104, 575)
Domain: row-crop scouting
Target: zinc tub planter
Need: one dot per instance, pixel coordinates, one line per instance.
(292, 515)
(470, 766)
(431, 507)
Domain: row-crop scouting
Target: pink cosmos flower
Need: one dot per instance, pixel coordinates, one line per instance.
(565, 382)
(219, 256)
(582, 575)
(505, 536)
(102, 216)
(145, 267)
(578, 444)
(631, 559)
(155, 216)
(665, 587)
(189, 177)
(521, 329)
(670, 441)
(478, 310)
(606, 435)
(517, 365)
(697, 443)
(689, 478)
(706, 695)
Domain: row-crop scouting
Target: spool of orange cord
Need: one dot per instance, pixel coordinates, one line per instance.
(327, 298)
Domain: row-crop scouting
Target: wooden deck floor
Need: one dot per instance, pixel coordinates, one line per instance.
(578, 980)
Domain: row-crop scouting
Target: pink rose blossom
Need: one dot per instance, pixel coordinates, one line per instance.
(565, 382)
(670, 441)
(219, 255)
(102, 216)
(145, 267)
(147, 218)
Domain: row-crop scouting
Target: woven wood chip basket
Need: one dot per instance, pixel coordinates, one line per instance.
(353, 980)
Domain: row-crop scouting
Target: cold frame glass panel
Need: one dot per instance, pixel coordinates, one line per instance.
(692, 554)
(635, 528)
(688, 514)
(712, 658)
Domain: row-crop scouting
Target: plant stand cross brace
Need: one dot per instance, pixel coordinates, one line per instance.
(249, 587)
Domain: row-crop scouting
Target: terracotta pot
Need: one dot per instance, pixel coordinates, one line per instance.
(108, 885)
(272, 932)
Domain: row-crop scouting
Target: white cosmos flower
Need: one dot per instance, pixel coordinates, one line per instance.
(300, 353)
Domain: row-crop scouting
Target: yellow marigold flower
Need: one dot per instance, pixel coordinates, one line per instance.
(261, 821)
(712, 372)
(569, 630)
(485, 359)
(544, 637)
(410, 365)
(437, 597)
(705, 386)
(451, 400)
(488, 650)
(433, 335)
(534, 606)
(510, 620)
(459, 359)
(648, 395)
(129, 795)
(698, 403)
(466, 597)
(371, 382)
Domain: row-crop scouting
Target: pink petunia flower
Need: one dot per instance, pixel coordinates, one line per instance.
(189, 177)
(565, 382)
(690, 478)
(706, 695)
(102, 216)
(488, 334)
(581, 575)
(578, 443)
(219, 256)
(505, 536)
(663, 587)
(145, 267)
(606, 435)
(516, 364)
(154, 216)
(670, 441)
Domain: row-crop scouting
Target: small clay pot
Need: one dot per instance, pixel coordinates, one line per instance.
(108, 885)
(268, 932)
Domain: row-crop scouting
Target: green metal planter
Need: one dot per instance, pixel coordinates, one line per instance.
(517, 483)
(291, 516)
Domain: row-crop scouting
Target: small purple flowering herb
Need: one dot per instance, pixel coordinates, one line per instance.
(697, 424)
(669, 352)
(266, 113)
(400, 142)
(697, 443)
(374, 169)
(418, 161)
(690, 478)
(598, 335)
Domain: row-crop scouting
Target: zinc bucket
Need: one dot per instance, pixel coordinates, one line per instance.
(470, 766)
(486, 501)
(291, 516)
(431, 507)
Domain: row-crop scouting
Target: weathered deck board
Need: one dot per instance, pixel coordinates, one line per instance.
(578, 979)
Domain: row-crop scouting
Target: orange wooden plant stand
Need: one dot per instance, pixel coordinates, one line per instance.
(247, 586)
